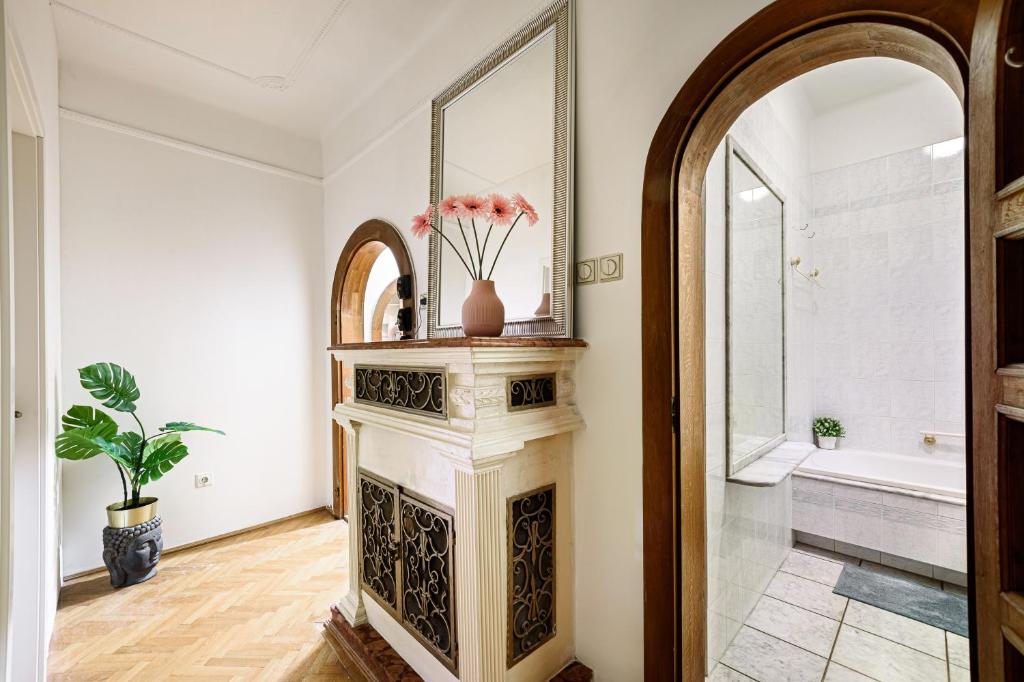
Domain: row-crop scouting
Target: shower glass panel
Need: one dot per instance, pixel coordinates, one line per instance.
(755, 365)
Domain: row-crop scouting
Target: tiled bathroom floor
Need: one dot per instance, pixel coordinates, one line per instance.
(801, 631)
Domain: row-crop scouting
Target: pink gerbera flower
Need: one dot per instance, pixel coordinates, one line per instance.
(451, 207)
(502, 212)
(474, 206)
(526, 207)
(421, 223)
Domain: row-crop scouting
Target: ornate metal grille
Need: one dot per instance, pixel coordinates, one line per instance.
(427, 576)
(419, 391)
(378, 504)
(530, 392)
(531, 572)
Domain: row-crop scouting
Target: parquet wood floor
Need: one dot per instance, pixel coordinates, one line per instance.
(249, 607)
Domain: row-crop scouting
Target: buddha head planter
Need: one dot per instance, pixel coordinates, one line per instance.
(131, 552)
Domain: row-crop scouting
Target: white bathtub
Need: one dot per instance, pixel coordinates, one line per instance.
(917, 474)
(906, 512)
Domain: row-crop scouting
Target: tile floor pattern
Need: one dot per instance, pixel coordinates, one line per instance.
(800, 631)
(247, 607)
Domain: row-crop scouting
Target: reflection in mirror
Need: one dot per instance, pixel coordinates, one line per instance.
(381, 302)
(755, 389)
(497, 137)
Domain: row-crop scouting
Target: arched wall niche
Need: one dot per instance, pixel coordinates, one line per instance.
(786, 39)
(348, 302)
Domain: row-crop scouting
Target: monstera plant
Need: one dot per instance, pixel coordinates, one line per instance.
(139, 457)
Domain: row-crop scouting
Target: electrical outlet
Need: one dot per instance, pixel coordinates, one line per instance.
(204, 480)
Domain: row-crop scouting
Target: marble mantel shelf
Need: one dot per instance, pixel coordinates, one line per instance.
(466, 342)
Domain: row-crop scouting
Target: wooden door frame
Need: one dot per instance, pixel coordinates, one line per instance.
(782, 41)
(348, 298)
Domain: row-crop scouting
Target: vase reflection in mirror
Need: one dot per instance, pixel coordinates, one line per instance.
(544, 309)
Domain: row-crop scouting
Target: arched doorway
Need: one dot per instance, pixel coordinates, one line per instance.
(785, 40)
(350, 311)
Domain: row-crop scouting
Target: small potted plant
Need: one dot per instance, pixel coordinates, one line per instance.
(483, 313)
(132, 540)
(827, 432)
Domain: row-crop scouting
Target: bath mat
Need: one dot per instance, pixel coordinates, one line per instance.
(944, 610)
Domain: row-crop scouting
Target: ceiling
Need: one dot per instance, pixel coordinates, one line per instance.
(843, 83)
(298, 66)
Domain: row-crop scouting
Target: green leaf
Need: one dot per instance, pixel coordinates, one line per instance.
(111, 384)
(162, 458)
(152, 445)
(132, 442)
(83, 416)
(117, 451)
(81, 443)
(187, 426)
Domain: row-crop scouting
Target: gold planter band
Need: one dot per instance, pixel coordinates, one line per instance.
(126, 518)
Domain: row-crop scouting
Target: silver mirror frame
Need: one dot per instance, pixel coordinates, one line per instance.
(559, 18)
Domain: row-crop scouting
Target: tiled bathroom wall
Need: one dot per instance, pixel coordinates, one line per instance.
(888, 323)
(749, 529)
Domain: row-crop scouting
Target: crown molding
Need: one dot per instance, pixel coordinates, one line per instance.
(270, 81)
(190, 147)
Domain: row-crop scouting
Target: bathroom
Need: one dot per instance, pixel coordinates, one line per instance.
(834, 288)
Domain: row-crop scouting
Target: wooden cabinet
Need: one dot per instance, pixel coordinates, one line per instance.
(1010, 175)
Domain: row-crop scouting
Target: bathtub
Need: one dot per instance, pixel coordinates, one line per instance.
(946, 479)
(906, 512)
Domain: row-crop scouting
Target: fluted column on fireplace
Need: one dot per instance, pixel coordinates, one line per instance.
(480, 556)
(351, 605)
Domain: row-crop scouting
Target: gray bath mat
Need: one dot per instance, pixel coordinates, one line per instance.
(944, 610)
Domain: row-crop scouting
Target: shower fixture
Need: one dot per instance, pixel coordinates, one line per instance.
(811, 276)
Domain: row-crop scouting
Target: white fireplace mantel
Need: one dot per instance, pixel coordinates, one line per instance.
(496, 429)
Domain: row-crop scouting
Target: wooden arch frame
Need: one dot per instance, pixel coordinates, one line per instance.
(784, 40)
(348, 298)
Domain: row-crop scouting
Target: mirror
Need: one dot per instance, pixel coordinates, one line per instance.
(505, 128)
(755, 325)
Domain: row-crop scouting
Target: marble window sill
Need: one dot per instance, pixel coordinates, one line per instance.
(774, 466)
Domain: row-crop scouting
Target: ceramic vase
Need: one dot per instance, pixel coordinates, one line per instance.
(483, 313)
(827, 442)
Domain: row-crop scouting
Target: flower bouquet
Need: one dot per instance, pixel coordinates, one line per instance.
(483, 313)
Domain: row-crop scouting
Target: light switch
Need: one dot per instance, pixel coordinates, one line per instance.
(586, 271)
(610, 267)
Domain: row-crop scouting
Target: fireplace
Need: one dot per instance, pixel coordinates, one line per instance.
(460, 503)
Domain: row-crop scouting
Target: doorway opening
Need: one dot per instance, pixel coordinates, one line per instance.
(365, 307)
(784, 41)
(835, 374)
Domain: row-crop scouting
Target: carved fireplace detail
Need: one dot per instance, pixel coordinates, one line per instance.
(531, 572)
(407, 563)
(470, 577)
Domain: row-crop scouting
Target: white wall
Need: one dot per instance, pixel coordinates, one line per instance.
(632, 58)
(33, 45)
(203, 279)
(916, 115)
